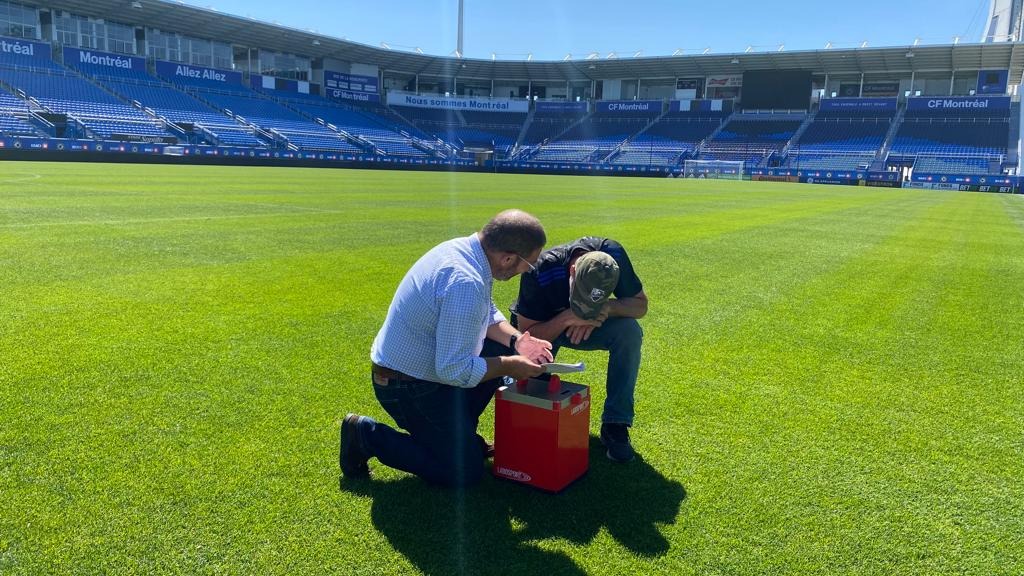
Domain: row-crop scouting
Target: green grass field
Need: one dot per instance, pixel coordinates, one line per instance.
(832, 378)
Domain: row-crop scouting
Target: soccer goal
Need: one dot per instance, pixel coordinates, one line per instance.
(718, 169)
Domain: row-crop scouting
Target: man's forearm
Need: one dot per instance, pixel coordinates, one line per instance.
(550, 330)
(501, 332)
(495, 368)
(627, 307)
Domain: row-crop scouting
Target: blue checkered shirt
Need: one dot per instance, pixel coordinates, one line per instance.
(439, 316)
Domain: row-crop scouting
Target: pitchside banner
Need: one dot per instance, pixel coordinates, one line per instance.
(339, 86)
(458, 103)
(965, 179)
(954, 105)
(566, 107)
(172, 70)
(630, 107)
(115, 62)
(16, 50)
(992, 81)
(859, 104)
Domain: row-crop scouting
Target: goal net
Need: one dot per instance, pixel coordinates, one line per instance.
(718, 169)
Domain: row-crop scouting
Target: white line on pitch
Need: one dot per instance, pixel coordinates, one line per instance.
(25, 179)
(170, 219)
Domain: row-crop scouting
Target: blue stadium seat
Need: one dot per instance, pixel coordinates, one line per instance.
(99, 111)
(751, 139)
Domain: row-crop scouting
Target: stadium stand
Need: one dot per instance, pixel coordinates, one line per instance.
(671, 139)
(97, 111)
(596, 137)
(369, 126)
(67, 88)
(752, 138)
(969, 141)
(186, 113)
(841, 139)
(545, 125)
(497, 129)
(475, 130)
(257, 116)
(13, 117)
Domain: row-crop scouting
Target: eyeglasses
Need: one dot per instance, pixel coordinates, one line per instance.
(533, 267)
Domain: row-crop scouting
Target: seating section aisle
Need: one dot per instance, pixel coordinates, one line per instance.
(185, 111)
(751, 138)
(100, 112)
(968, 141)
(548, 124)
(467, 129)
(671, 139)
(13, 114)
(367, 123)
(841, 139)
(276, 119)
(596, 137)
(497, 129)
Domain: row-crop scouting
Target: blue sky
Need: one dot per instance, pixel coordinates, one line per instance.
(551, 29)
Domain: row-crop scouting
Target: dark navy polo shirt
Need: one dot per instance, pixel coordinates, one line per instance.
(544, 293)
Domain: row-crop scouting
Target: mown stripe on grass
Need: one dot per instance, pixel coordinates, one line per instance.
(808, 411)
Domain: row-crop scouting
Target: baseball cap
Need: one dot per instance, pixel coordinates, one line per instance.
(597, 274)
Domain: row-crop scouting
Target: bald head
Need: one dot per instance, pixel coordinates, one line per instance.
(513, 231)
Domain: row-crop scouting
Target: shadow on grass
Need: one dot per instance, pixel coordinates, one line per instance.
(493, 528)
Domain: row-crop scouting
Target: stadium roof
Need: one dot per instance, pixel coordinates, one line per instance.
(207, 23)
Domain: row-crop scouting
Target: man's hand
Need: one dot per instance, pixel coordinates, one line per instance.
(520, 367)
(578, 329)
(534, 349)
(577, 334)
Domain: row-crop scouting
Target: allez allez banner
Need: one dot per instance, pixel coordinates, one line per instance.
(177, 70)
(79, 58)
(458, 103)
(172, 70)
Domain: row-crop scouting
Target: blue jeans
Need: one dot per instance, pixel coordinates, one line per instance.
(440, 444)
(622, 338)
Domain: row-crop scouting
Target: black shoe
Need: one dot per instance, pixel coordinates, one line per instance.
(488, 447)
(352, 458)
(615, 438)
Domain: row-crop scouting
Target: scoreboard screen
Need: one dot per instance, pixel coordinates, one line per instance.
(776, 90)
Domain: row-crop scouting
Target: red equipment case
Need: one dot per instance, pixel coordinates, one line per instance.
(542, 433)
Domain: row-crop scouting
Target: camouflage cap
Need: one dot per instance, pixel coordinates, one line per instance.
(597, 274)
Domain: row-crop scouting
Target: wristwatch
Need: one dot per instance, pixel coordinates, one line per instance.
(512, 342)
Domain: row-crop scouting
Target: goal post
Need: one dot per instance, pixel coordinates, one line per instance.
(717, 169)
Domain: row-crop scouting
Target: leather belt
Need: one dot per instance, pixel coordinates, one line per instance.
(382, 373)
